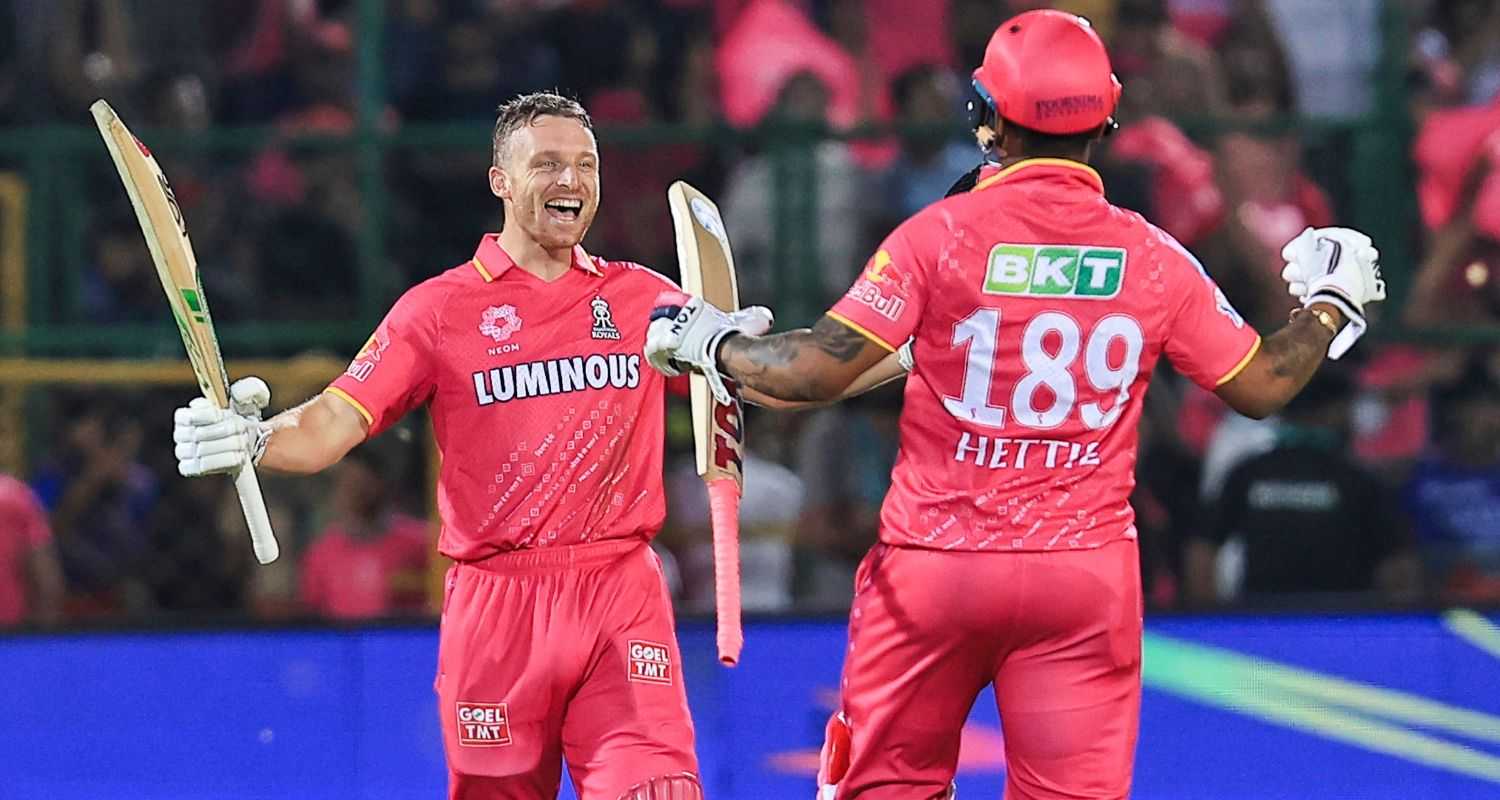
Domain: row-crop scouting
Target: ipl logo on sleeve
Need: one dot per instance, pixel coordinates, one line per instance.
(650, 662)
(483, 724)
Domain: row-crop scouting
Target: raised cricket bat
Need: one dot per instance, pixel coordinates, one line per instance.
(166, 236)
(718, 429)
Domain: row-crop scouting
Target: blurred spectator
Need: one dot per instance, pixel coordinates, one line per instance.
(283, 57)
(769, 511)
(1332, 50)
(970, 25)
(1453, 495)
(1458, 154)
(10, 66)
(90, 50)
(928, 162)
(101, 498)
(1269, 200)
(850, 24)
(844, 456)
(477, 63)
(1164, 72)
(1458, 49)
(121, 285)
(371, 560)
(764, 203)
(1183, 196)
(1304, 517)
(312, 212)
(31, 581)
(200, 560)
(1165, 515)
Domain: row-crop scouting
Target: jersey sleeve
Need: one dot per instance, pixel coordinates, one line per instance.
(1207, 340)
(392, 374)
(887, 299)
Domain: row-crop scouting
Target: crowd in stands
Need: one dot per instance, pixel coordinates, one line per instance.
(1381, 484)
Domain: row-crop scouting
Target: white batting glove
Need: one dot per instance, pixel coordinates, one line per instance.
(212, 440)
(687, 330)
(1338, 266)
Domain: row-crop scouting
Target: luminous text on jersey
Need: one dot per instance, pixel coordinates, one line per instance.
(556, 376)
(1088, 272)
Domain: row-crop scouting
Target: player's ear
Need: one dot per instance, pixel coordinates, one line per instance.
(499, 183)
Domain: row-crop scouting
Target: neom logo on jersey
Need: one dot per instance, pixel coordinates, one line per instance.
(556, 376)
(1055, 270)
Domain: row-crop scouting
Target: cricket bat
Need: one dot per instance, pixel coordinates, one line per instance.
(166, 236)
(718, 428)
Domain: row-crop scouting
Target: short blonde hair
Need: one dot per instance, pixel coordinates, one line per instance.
(524, 109)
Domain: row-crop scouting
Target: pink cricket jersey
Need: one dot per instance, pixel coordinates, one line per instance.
(549, 425)
(346, 577)
(1037, 311)
(23, 528)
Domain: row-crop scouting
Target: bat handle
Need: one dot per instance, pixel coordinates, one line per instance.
(262, 538)
(724, 510)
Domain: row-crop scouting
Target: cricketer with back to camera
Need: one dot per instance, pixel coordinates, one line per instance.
(1033, 311)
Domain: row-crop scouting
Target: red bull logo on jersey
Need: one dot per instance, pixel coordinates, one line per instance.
(650, 662)
(867, 293)
(369, 355)
(1086, 272)
(483, 725)
(556, 376)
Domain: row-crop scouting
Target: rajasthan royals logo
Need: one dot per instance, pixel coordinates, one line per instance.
(604, 323)
(499, 322)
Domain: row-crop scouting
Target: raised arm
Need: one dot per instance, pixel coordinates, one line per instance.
(885, 370)
(313, 436)
(808, 366)
(1332, 272)
(1285, 362)
(305, 439)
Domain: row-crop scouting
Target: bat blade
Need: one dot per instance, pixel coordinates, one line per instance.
(165, 230)
(707, 266)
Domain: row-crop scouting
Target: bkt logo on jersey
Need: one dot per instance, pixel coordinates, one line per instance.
(556, 376)
(1055, 270)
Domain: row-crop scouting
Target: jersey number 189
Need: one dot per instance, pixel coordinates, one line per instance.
(979, 332)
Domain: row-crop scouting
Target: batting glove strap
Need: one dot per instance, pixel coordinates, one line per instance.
(262, 438)
(1355, 324)
(690, 334)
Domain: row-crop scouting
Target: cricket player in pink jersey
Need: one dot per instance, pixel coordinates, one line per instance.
(1034, 312)
(557, 637)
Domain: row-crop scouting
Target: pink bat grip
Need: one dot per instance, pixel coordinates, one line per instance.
(724, 509)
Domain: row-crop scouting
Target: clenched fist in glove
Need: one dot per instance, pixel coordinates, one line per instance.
(686, 331)
(212, 440)
(1337, 266)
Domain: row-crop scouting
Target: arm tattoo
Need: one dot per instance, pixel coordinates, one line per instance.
(769, 363)
(1297, 349)
(837, 340)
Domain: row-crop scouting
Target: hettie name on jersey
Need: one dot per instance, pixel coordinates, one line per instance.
(557, 376)
(997, 452)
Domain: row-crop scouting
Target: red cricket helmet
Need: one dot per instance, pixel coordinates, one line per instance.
(1048, 71)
